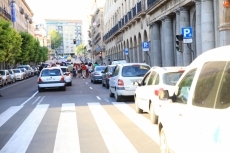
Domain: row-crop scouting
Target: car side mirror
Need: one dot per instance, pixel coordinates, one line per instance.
(164, 95)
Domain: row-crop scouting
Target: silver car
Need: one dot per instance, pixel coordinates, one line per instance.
(12, 76)
(19, 74)
(96, 75)
(68, 75)
(5, 76)
(52, 77)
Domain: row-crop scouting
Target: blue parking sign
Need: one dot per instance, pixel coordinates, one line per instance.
(187, 33)
(126, 51)
(145, 46)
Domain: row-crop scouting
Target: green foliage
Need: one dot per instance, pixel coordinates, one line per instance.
(80, 50)
(56, 39)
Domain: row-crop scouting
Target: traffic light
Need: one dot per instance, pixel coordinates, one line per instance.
(179, 43)
(74, 41)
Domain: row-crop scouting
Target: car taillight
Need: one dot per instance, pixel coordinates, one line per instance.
(120, 82)
(39, 79)
(157, 92)
(62, 79)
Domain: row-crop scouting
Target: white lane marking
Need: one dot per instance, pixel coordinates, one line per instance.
(114, 139)
(86, 82)
(67, 138)
(98, 98)
(90, 87)
(29, 98)
(25, 133)
(5, 116)
(143, 123)
(107, 100)
(8, 86)
(41, 100)
(36, 100)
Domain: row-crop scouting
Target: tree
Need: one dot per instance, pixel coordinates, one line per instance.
(80, 50)
(56, 39)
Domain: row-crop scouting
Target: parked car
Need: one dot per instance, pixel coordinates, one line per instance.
(25, 72)
(52, 77)
(12, 76)
(155, 80)
(5, 76)
(106, 75)
(195, 118)
(28, 69)
(1, 81)
(67, 74)
(96, 75)
(20, 75)
(123, 77)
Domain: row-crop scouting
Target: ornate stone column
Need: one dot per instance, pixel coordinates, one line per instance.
(224, 28)
(198, 28)
(184, 22)
(168, 40)
(156, 45)
(207, 25)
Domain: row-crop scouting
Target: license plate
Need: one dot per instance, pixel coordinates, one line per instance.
(50, 79)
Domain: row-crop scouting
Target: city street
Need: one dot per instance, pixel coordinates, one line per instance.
(81, 119)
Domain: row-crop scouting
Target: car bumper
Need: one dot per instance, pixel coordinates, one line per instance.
(51, 85)
(122, 92)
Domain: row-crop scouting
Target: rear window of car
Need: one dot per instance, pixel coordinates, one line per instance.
(100, 68)
(134, 70)
(213, 85)
(51, 72)
(171, 78)
(64, 69)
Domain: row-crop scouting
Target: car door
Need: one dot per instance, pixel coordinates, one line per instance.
(113, 79)
(174, 115)
(104, 75)
(140, 91)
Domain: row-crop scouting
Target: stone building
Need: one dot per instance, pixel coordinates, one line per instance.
(23, 15)
(129, 23)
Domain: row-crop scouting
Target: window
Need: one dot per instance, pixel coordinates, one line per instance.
(151, 78)
(116, 71)
(184, 87)
(213, 86)
(171, 78)
(134, 70)
(145, 79)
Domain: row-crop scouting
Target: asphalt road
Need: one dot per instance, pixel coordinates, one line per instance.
(81, 119)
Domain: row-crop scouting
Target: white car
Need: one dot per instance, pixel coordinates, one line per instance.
(156, 79)
(52, 77)
(12, 76)
(196, 118)
(123, 77)
(5, 77)
(19, 74)
(68, 75)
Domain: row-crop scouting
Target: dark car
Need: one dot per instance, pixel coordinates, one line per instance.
(106, 75)
(96, 75)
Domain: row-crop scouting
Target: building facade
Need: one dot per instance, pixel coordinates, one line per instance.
(129, 23)
(69, 30)
(23, 15)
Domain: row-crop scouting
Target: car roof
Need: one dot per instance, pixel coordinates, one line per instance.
(216, 54)
(169, 69)
(127, 64)
(48, 68)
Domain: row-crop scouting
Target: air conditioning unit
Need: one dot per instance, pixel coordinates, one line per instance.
(98, 22)
(21, 10)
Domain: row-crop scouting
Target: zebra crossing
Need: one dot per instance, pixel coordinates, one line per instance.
(67, 138)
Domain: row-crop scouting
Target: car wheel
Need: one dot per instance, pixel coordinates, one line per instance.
(110, 93)
(40, 89)
(91, 80)
(153, 116)
(107, 85)
(94, 82)
(103, 84)
(138, 110)
(117, 97)
(163, 142)
(64, 88)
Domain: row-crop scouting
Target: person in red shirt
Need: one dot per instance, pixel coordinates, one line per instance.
(83, 68)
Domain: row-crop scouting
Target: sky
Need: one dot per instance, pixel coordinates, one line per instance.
(58, 9)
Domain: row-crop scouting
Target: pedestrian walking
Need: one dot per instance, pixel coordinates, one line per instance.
(83, 68)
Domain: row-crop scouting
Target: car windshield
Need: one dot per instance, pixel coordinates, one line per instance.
(171, 78)
(2, 72)
(111, 69)
(16, 71)
(135, 70)
(11, 72)
(64, 69)
(23, 70)
(100, 68)
(51, 72)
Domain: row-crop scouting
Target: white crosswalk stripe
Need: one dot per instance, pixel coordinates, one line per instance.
(23, 136)
(114, 139)
(5, 116)
(140, 121)
(67, 139)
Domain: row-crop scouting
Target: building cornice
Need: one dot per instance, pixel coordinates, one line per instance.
(27, 6)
